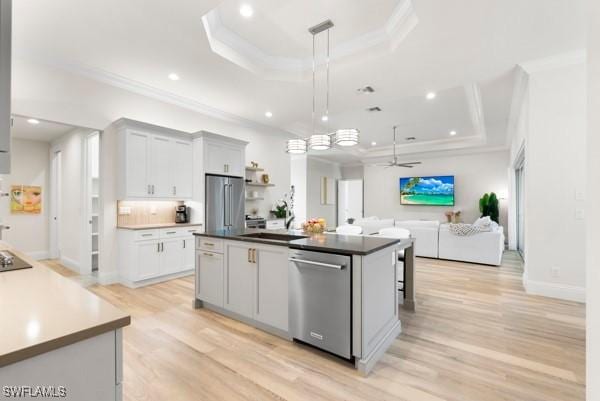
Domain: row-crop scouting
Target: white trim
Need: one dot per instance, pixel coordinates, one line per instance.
(556, 61)
(131, 85)
(473, 95)
(38, 255)
(107, 278)
(70, 263)
(231, 46)
(516, 104)
(554, 290)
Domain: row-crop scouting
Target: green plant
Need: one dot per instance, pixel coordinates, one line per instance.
(488, 206)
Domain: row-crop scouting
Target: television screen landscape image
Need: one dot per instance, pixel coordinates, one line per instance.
(430, 191)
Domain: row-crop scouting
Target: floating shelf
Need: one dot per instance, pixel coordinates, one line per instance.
(259, 184)
(253, 199)
(254, 169)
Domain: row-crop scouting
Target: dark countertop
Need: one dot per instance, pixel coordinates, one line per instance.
(328, 242)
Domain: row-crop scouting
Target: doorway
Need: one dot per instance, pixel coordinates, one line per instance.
(349, 200)
(55, 195)
(520, 204)
(91, 192)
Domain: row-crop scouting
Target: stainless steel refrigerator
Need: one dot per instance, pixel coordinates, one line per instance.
(224, 208)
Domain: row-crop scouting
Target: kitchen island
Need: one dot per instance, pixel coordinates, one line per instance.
(57, 337)
(335, 292)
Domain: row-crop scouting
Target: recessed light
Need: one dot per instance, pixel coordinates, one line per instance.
(173, 77)
(452, 133)
(325, 118)
(33, 121)
(268, 114)
(246, 11)
(430, 95)
(373, 143)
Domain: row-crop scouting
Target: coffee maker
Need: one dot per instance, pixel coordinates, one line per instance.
(182, 214)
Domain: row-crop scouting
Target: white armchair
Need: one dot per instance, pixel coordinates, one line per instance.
(348, 229)
(484, 247)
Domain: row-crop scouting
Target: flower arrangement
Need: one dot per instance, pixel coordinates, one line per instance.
(314, 226)
(453, 216)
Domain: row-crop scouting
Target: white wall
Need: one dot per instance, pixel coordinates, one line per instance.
(29, 166)
(316, 170)
(474, 175)
(555, 147)
(353, 172)
(298, 168)
(593, 213)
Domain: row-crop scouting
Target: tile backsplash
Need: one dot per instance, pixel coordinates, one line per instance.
(146, 212)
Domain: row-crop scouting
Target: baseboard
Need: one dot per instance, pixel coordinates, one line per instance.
(38, 255)
(70, 263)
(554, 290)
(108, 278)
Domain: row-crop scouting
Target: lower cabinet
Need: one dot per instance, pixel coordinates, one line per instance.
(152, 254)
(240, 278)
(255, 282)
(209, 277)
(272, 286)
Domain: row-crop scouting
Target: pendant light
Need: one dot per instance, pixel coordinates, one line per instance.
(319, 140)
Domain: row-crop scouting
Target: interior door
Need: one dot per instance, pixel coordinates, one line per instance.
(161, 150)
(240, 279)
(137, 149)
(349, 200)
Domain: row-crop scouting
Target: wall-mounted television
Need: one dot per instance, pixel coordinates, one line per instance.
(430, 191)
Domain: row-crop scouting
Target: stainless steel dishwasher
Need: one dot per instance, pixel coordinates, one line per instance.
(320, 306)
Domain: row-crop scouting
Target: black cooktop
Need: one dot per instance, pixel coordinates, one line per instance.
(17, 264)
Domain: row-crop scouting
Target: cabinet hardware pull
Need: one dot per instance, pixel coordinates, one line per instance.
(183, 244)
(158, 247)
(149, 189)
(208, 254)
(174, 190)
(253, 255)
(162, 246)
(171, 232)
(209, 244)
(249, 255)
(146, 235)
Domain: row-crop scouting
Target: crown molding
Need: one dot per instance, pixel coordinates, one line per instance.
(433, 154)
(473, 95)
(134, 86)
(557, 61)
(238, 50)
(516, 104)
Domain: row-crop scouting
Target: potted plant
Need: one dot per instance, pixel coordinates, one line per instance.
(488, 206)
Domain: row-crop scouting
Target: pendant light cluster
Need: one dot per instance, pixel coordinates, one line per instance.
(322, 141)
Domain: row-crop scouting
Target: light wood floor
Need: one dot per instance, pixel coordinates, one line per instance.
(476, 336)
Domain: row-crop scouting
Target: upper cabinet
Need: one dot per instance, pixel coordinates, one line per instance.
(5, 90)
(224, 157)
(154, 163)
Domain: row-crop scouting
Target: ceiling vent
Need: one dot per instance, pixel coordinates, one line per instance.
(366, 89)
(410, 138)
(374, 109)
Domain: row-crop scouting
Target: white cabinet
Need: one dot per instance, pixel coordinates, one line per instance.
(159, 166)
(137, 147)
(148, 260)
(240, 282)
(154, 163)
(172, 256)
(149, 256)
(5, 80)
(223, 157)
(182, 170)
(272, 286)
(209, 277)
(254, 278)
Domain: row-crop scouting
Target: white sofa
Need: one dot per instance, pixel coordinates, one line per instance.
(485, 247)
(426, 234)
(372, 225)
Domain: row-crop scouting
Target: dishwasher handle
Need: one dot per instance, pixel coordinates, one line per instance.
(320, 264)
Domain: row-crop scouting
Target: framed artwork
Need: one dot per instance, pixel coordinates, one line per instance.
(25, 199)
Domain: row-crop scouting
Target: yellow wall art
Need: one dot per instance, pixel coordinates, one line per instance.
(25, 199)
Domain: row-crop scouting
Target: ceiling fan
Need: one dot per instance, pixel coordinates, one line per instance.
(394, 162)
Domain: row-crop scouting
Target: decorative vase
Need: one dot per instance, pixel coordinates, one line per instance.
(265, 178)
